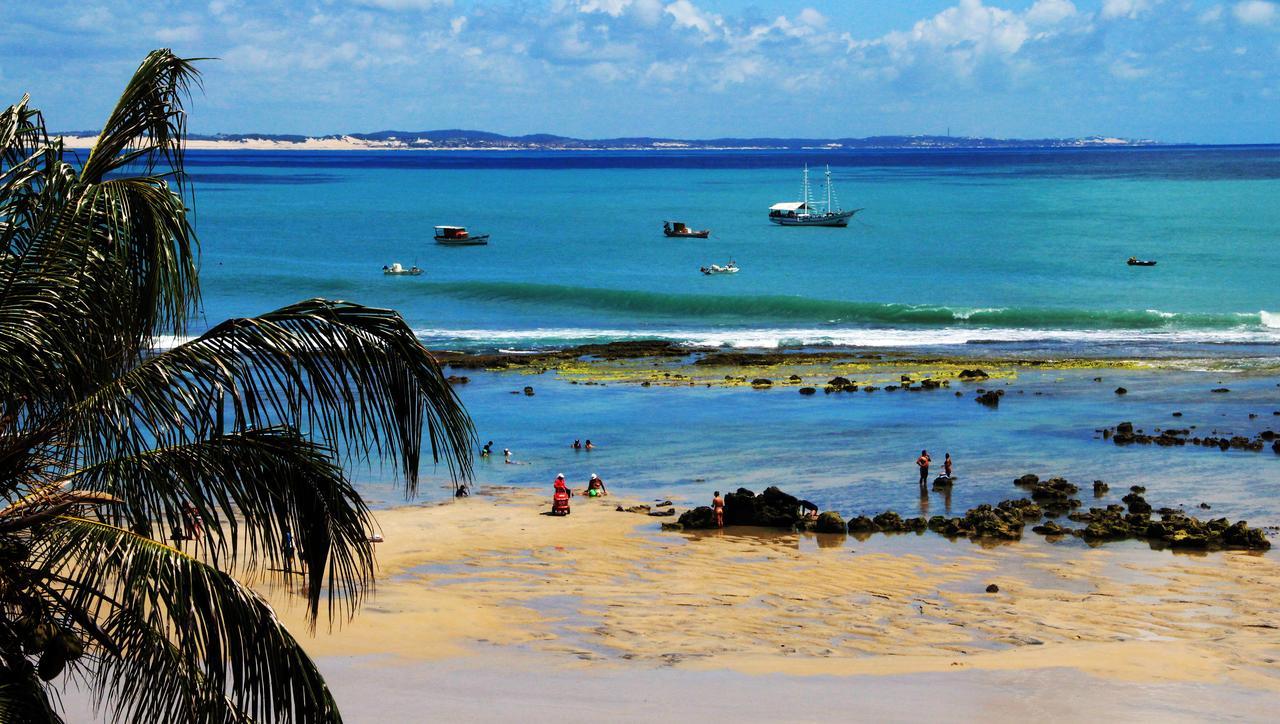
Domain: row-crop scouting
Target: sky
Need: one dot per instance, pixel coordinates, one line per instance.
(1169, 70)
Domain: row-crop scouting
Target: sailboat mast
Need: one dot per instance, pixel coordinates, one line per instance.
(805, 190)
(828, 188)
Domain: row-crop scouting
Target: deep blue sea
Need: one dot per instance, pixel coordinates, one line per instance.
(963, 250)
(989, 252)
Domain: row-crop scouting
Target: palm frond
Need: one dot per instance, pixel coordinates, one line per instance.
(352, 377)
(222, 636)
(223, 478)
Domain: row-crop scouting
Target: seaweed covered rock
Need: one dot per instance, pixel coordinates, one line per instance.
(990, 398)
(1137, 503)
(1100, 488)
(1055, 495)
(699, 518)
(1051, 528)
(830, 522)
(888, 521)
(808, 390)
(975, 374)
(1003, 522)
(862, 524)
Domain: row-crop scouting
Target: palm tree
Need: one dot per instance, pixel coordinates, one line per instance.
(111, 451)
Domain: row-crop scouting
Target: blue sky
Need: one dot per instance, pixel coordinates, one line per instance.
(1173, 70)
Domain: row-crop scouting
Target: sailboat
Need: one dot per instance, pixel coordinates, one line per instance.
(809, 212)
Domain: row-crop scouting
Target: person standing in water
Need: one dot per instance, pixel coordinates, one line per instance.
(717, 506)
(946, 466)
(922, 462)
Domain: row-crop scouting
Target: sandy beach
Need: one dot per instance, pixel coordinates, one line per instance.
(476, 583)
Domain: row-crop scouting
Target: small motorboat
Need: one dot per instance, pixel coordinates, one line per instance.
(459, 236)
(730, 268)
(679, 229)
(1135, 261)
(396, 270)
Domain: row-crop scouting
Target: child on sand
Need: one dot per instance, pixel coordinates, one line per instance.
(717, 506)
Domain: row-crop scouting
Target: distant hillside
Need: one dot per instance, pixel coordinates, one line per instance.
(460, 139)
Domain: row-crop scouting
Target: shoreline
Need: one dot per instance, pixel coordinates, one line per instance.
(605, 591)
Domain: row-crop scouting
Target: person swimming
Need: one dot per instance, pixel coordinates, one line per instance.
(589, 446)
(577, 444)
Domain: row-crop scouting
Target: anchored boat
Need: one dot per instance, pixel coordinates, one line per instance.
(396, 270)
(808, 212)
(679, 229)
(459, 236)
(1135, 261)
(730, 268)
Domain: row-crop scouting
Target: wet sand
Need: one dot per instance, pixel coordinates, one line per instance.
(603, 593)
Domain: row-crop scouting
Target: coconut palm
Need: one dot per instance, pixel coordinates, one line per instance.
(140, 487)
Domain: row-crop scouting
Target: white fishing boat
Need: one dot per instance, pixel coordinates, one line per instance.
(730, 268)
(808, 212)
(459, 236)
(396, 270)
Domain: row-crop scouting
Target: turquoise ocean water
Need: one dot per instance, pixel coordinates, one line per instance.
(1003, 253)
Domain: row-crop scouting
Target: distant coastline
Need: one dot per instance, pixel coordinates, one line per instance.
(465, 140)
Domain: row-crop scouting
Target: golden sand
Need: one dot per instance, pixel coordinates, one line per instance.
(607, 588)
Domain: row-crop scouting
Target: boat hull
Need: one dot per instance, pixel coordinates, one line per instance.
(480, 240)
(835, 218)
(688, 234)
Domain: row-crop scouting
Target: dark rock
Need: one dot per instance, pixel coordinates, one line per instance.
(457, 380)
(975, 374)
(830, 522)
(795, 378)
(1220, 390)
(1205, 506)
(1137, 489)
(930, 384)
(1124, 428)
(888, 521)
(862, 524)
(1027, 481)
(1177, 414)
(761, 382)
(528, 391)
(771, 509)
(808, 390)
(664, 504)
(1137, 503)
(1121, 391)
(1100, 488)
(988, 398)
(634, 509)
(662, 513)
(673, 526)
(993, 588)
(1051, 528)
(700, 518)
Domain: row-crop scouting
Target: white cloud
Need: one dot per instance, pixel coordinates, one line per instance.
(1209, 16)
(1255, 12)
(1050, 12)
(688, 15)
(1131, 9)
(397, 5)
(178, 34)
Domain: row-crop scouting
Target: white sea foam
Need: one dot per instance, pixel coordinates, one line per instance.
(773, 338)
(1270, 320)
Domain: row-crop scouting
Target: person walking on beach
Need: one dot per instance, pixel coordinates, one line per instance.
(922, 462)
(946, 466)
(717, 506)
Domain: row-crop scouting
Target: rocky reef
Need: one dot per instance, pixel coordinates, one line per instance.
(1125, 434)
(1004, 521)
